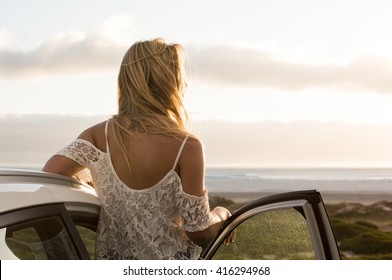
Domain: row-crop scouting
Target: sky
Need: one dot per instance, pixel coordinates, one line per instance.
(270, 83)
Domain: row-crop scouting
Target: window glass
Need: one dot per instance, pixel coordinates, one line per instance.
(279, 234)
(39, 239)
(88, 234)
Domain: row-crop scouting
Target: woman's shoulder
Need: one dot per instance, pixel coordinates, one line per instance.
(193, 150)
(193, 144)
(191, 167)
(95, 135)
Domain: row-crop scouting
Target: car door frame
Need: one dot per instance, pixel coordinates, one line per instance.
(308, 202)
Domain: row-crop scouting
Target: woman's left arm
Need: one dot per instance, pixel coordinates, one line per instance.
(62, 165)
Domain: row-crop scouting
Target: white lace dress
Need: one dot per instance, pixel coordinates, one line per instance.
(141, 224)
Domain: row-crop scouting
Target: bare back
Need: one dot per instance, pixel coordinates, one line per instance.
(151, 156)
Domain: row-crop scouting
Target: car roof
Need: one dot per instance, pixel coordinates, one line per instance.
(25, 188)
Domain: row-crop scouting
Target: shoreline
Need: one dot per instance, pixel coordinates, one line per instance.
(328, 197)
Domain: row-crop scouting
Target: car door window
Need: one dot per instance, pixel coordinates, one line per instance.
(43, 239)
(88, 235)
(85, 218)
(276, 234)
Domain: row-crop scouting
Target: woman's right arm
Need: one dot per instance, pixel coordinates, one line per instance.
(192, 174)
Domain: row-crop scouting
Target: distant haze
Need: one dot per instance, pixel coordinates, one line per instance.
(32, 139)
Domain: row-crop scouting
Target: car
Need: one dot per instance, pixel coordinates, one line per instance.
(49, 216)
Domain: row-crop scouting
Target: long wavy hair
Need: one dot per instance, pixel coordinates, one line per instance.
(151, 87)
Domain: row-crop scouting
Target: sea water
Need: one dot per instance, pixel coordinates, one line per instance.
(346, 180)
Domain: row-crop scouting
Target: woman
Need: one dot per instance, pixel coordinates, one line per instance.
(147, 169)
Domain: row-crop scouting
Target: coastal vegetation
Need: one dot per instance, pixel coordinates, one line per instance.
(363, 231)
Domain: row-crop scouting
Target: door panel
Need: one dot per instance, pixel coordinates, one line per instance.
(291, 225)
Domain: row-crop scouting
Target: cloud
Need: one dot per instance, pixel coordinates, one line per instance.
(60, 55)
(102, 47)
(98, 49)
(5, 39)
(227, 65)
(31, 139)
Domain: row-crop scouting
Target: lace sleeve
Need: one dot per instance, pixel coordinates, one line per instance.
(81, 151)
(195, 211)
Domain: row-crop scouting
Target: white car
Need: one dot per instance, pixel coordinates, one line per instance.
(47, 216)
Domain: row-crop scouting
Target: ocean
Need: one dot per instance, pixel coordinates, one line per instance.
(362, 180)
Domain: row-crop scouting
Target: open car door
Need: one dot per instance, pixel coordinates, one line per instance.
(292, 225)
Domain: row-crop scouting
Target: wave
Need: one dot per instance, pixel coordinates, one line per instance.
(311, 174)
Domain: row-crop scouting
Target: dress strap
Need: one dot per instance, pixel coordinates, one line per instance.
(106, 136)
(179, 152)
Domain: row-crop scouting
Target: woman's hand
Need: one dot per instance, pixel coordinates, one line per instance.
(224, 214)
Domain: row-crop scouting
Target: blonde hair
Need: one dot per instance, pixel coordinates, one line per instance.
(151, 87)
